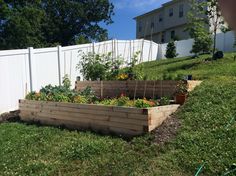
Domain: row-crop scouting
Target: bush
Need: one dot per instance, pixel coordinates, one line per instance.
(63, 94)
(164, 101)
(122, 101)
(95, 66)
(202, 40)
(171, 50)
(218, 55)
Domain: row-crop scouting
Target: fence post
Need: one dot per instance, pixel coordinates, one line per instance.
(93, 48)
(115, 46)
(130, 50)
(31, 53)
(59, 52)
(141, 56)
(113, 49)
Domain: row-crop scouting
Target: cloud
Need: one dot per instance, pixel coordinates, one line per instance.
(137, 4)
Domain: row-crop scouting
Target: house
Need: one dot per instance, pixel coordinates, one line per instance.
(165, 23)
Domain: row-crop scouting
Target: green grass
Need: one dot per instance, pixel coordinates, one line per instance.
(197, 67)
(206, 135)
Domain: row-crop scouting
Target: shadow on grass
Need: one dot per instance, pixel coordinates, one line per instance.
(186, 66)
(171, 61)
(39, 124)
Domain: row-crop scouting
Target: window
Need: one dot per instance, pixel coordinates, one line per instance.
(172, 34)
(160, 18)
(140, 27)
(181, 10)
(152, 24)
(163, 37)
(171, 12)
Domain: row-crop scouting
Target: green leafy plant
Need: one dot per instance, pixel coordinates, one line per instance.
(134, 71)
(143, 103)
(164, 101)
(81, 99)
(66, 81)
(95, 66)
(89, 94)
(182, 87)
(197, 28)
(122, 101)
(171, 50)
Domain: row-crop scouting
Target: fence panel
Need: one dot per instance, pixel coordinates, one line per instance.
(30, 69)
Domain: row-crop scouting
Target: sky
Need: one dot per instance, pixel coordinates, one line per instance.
(124, 26)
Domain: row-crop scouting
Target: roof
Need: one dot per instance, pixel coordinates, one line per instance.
(157, 9)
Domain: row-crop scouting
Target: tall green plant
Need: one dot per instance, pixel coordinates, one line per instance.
(171, 50)
(216, 20)
(198, 28)
(96, 66)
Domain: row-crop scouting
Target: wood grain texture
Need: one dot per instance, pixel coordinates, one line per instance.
(106, 119)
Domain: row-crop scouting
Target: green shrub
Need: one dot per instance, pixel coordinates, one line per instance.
(171, 50)
(143, 103)
(89, 94)
(202, 44)
(95, 66)
(121, 101)
(66, 81)
(164, 101)
(80, 99)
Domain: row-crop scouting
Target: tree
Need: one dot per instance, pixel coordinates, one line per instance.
(198, 28)
(216, 20)
(41, 23)
(171, 50)
(198, 22)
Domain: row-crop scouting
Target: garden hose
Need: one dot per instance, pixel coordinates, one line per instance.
(200, 169)
(229, 172)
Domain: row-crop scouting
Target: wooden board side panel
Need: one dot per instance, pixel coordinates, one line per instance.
(114, 119)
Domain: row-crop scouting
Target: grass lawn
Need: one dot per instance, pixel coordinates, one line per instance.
(207, 135)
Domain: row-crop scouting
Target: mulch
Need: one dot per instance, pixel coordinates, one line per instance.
(167, 131)
(12, 116)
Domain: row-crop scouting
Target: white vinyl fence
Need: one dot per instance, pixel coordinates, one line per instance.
(29, 69)
(224, 42)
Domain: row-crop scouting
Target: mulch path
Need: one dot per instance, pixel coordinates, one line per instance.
(12, 116)
(167, 131)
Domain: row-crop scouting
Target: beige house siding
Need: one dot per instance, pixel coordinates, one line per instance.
(149, 26)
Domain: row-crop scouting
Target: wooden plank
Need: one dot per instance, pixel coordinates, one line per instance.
(126, 126)
(128, 121)
(83, 111)
(102, 115)
(62, 117)
(85, 106)
(57, 122)
(84, 120)
(125, 131)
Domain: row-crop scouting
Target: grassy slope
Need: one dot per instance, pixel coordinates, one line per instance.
(31, 150)
(197, 67)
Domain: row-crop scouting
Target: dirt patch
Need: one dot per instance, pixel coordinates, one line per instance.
(12, 116)
(167, 131)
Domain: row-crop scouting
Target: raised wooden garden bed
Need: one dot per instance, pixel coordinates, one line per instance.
(107, 119)
(147, 89)
(126, 121)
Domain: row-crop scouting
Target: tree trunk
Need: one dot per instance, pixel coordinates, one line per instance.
(215, 31)
(214, 44)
